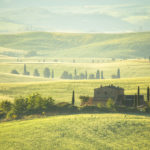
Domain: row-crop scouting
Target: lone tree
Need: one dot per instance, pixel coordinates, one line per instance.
(46, 73)
(73, 97)
(25, 70)
(98, 74)
(118, 73)
(36, 73)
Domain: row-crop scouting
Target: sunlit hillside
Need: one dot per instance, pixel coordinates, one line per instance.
(127, 45)
(78, 132)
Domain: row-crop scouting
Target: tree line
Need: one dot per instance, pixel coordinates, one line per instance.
(82, 75)
(36, 104)
(47, 73)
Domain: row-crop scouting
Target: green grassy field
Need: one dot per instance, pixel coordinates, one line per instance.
(129, 69)
(127, 45)
(77, 132)
(61, 90)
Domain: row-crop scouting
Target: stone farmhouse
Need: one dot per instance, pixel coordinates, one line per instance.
(102, 94)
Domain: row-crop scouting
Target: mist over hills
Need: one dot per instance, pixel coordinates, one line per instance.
(127, 45)
(74, 16)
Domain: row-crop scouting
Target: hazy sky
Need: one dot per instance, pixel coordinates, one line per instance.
(122, 15)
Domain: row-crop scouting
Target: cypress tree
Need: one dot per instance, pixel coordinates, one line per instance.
(98, 74)
(135, 100)
(102, 75)
(138, 97)
(148, 94)
(75, 74)
(25, 70)
(118, 73)
(73, 97)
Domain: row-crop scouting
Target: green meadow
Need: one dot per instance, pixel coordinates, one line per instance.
(129, 68)
(61, 90)
(77, 132)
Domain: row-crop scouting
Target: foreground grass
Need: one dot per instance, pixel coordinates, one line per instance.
(61, 90)
(77, 132)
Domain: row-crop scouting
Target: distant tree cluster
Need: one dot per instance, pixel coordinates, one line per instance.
(46, 72)
(82, 75)
(117, 76)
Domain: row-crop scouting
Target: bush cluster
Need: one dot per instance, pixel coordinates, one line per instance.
(32, 104)
(36, 104)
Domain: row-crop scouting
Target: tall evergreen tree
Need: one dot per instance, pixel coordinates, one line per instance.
(118, 73)
(138, 96)
(46, 73)
(75, 74)
(135, 100)
(102, 75)
(148, 98)
(25, 70)
(98, 74)
(73, 97)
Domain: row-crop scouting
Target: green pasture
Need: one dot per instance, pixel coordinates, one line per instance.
(129, 68)
(77, 132)
(61, 90)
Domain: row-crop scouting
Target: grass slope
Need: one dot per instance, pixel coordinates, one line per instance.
(61, 91)
(80, 45)
(6, 77)
(77, 132)
(129, 68)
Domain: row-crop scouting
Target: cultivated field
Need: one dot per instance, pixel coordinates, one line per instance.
(77, 132)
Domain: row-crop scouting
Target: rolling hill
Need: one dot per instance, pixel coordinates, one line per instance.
(127, 45)
(77, 132)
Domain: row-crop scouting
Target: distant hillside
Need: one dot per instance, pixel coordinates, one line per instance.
(127, 45)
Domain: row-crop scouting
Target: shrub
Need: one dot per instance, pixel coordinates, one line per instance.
(66, 107)
(110, 104)
(91, 109)
(14, 72)
(11, 115)
(2, 114)
(147, 107)
(5, 106)
(20, 106)
(84, 99)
